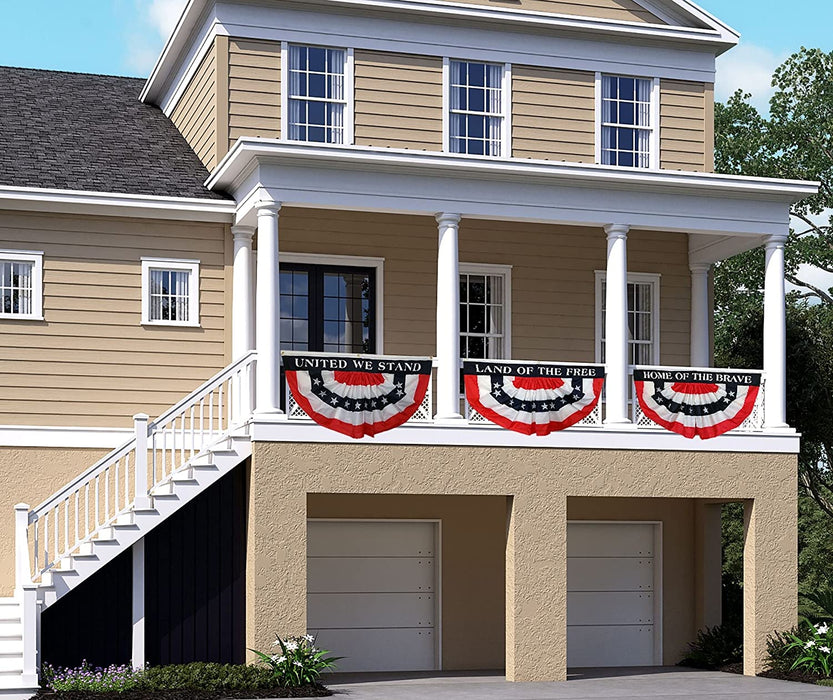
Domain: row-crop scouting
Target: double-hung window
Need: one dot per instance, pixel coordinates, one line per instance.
(643, 318)
(628, 121)
(317, 94)
(21, 285)
(485, 299)
(476, 108)
(170, 292)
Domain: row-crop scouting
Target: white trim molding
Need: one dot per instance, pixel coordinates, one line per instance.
(35, 259)
(192, 267)
(63, 437)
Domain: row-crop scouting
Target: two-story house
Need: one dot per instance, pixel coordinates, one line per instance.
(431, 182)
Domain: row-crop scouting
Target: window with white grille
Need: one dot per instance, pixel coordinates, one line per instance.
(170, 292)
(627, 121)
(485, 299)
(21, 285)
(643, 318)
(317, 101)
(477, 108)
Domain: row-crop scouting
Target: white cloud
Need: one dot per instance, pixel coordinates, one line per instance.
(155, 21)
(750, 68)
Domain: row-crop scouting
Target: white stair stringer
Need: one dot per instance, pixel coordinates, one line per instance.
(14, 684)
(106, 543)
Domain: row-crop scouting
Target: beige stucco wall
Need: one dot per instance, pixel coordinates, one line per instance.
(539, 483)
(30, 475)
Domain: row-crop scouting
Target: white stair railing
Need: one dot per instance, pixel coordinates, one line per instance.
(125, 478)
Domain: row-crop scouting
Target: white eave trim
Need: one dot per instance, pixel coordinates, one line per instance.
(115, 204)
(243, 156)
(60, 437)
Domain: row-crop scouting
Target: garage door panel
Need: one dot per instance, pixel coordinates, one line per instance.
(610, 645)
(370, 575)
(380, 649)
(377, 539)
(378, 610)
(610, 540)
(610, 608)
(610, 574)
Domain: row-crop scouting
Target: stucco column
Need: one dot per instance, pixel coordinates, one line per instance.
(770, 572)
(448, 319)
(775, 335)
(616, 325)
(536, 589)
(268, 329)
(708, 565)
(700, 343)
(242, 311)
(276, 553)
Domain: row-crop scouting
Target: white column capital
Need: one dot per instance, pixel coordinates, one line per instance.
(242, 233)
(776, 240)
(447, 219)
(267, 207)
(617, 230)
(699, 268)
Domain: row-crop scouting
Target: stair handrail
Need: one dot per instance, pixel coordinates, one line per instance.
(124, 449)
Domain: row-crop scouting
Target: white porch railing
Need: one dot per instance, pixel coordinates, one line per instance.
(125, 477)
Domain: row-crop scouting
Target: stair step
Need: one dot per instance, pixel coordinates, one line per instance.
(11, 647)
(163, 489)
(105, 534)
(12, 662)
(125, 519)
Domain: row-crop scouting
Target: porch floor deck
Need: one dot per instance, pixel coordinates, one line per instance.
(669, 683)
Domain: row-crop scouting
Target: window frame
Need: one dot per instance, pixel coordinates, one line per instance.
(652, 278)
(349, 92)
(177, 265)
(494, 270)
(506, 107)
(35, 258)
(655, 143)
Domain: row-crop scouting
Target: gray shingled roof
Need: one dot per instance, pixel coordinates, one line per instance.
(78, 131)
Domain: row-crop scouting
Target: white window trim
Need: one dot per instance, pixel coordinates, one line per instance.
(504, 271)
(506, 107)
(36, 258)
(376, 264)
(652, 278)
(349, 92)
(654, 156)
(190, 266)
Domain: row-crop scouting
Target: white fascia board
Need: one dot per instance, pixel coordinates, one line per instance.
(115, 204)
(63, 437)
(375, 179)
(576, 438)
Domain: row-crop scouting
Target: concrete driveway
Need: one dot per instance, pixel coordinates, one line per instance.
(626, 684)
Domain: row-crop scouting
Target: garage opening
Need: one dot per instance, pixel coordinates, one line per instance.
(614, 594)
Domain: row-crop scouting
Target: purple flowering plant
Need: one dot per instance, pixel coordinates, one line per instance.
(98, 679)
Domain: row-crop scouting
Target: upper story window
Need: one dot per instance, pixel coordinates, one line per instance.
(21, 285)
(170, 292)
(485, 292)
(317, 94)
(477, 107)
(643, 318)
(628, 122)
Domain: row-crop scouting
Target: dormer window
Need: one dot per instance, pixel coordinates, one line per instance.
(317, 99)
(628, 122)
(477, 107)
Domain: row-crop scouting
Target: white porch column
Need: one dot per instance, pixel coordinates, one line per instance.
(242, 312)
(138, 605)
(616, 325)
(700, 314)
(268, 331)
(448, 319)
(775, 334)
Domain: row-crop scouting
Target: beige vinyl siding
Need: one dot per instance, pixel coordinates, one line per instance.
(553, 276)
(626, 10)
(398, 101)
(553, 114)
(91, 362)
(686, 141)
(195, 115)
(254, 89)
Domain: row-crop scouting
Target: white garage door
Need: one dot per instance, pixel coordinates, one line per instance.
(372, 593)
(613, 595)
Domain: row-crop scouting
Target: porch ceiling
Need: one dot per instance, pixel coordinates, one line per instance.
(391, 180)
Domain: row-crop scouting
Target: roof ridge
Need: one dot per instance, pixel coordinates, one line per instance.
(29, 69)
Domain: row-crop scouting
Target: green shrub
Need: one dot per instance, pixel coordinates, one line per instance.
(817, 606)
(780, 655)
(208, 676)
(298, 662)
(814, 644)
(714, 648)
(826, 681)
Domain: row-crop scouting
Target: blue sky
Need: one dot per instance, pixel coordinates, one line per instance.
(125, 36)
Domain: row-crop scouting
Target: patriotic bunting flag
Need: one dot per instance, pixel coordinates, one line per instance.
(533, 399)
(357, 395)
(696, 403)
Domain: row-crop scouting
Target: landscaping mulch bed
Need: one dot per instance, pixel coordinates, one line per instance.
(309, 691)
(796, 676)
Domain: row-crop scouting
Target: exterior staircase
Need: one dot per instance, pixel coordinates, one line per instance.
(115, 503)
